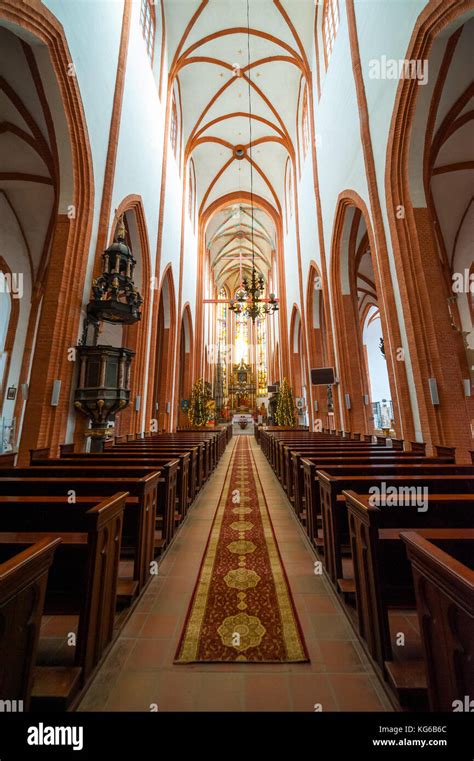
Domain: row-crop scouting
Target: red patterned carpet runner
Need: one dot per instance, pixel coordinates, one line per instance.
(242, 609)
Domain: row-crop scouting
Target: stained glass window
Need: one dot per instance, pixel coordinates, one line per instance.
(305, 121)
(222, 337)
(330, 26)
(290, 192)
(174, 126)
(191, 195)
(147, 23)
(261, 357)
(241, 344)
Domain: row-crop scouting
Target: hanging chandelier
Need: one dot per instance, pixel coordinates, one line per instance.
(249, 301)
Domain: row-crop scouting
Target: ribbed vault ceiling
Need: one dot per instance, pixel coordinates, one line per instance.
(214, 63)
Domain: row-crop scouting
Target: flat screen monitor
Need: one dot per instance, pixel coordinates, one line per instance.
(322, 376)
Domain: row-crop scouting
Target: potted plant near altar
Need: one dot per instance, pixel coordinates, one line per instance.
(285, 410)
(200, 410)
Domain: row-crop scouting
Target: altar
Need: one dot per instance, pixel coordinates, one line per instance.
(242, 423)
(236, 419)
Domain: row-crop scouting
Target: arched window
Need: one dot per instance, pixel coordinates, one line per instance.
(305, 121)
(191, 194)
(148, 25)
(262, 357)
(174, 126)
(290, 192)
(241, 343)
(330, 26)
(222, 349)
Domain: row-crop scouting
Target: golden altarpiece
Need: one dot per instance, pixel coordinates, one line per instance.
(242, 389)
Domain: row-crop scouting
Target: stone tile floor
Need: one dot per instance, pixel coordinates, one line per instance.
(139, 670)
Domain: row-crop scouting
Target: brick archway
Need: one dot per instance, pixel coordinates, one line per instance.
(435, 350)
(11, 331)
(318, 337)
(262, 203)
(58, 325)
(162, 382)
(355, 413)
(136, 336)
(185, 363)
(297, 356)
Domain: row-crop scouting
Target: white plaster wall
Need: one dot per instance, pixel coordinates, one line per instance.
(339, 150)
(291, 285)
(140, 144)
(172, 219)
(308, 220)
(93, 30)
(190, 267)
(384, 29)
(140, 147)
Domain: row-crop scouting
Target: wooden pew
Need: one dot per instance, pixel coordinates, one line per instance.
(418, 446)
(285, 467)
(443, 573)
(159, 449)
(140, 512)
(284, 445)
(82, 581)
(166, 497)
(382, 574)
(206, 452)
(436, 478)
(7, 459)
(97, 465)
(308, 484)
(23, 579)
(148, 460)
(303, 461)
(295, 478)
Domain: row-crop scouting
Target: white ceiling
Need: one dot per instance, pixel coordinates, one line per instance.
(205, 41)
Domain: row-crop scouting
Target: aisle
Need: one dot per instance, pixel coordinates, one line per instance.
(139, 672)
(242, 608)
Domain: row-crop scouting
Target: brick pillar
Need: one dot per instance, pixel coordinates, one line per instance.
(352, 374)
(43, 424)
(436, 348)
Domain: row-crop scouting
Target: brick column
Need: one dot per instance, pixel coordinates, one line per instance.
(43, 424)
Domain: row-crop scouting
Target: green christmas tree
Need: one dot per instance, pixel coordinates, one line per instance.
(285, 411)
(198, 412)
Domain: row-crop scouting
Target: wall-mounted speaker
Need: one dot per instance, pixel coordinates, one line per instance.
(316, 405)
(366, 399)
(168, 406)
(348, 401)
(56, 392)
(138, 400)
(24, 391)
(156, 406)
(467, 386)
(433, 386)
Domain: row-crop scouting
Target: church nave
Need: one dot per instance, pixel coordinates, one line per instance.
(236, 375)
(140, 672)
